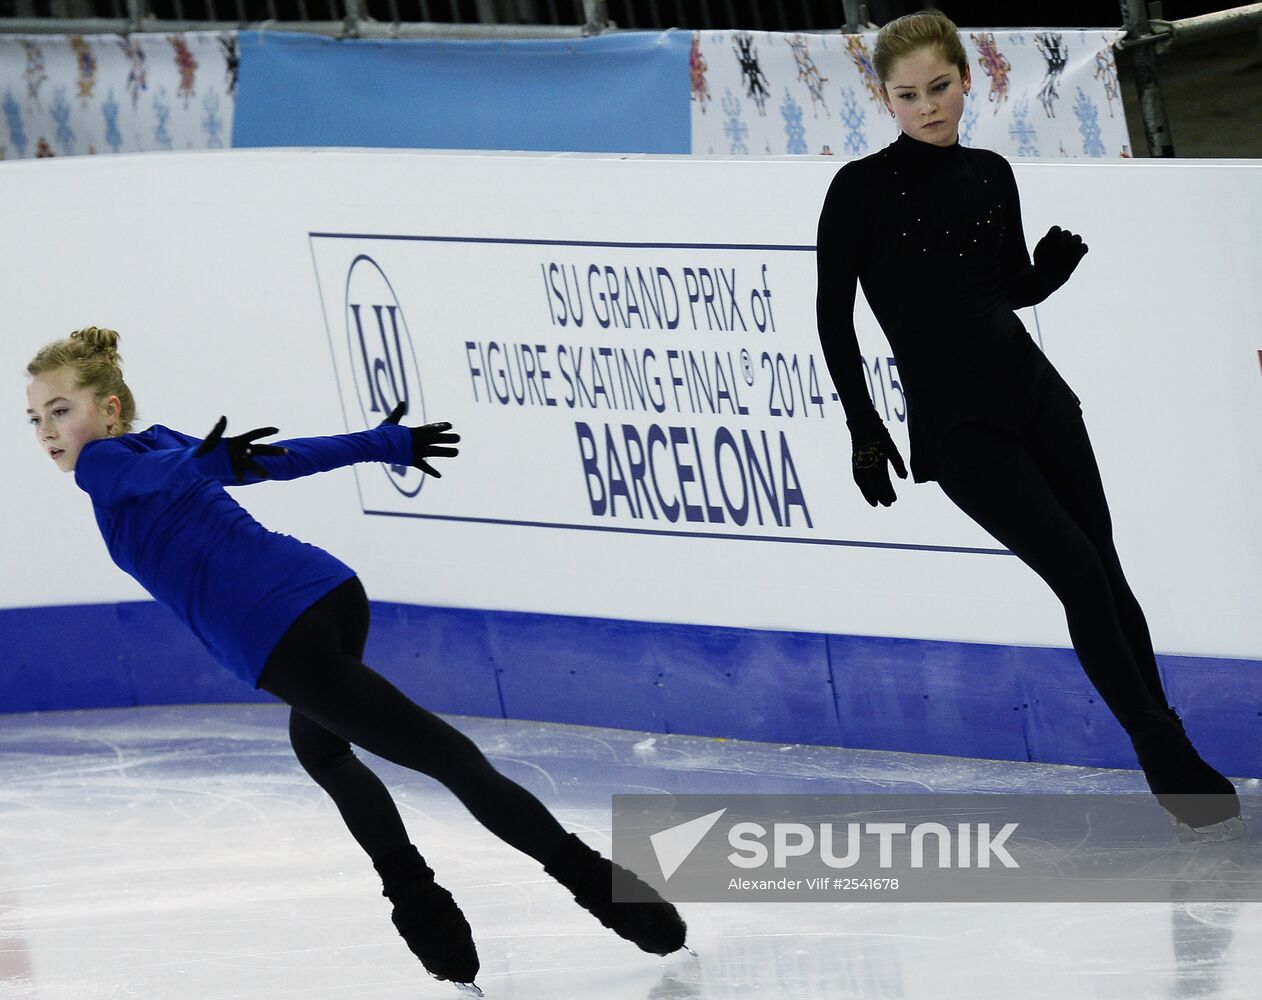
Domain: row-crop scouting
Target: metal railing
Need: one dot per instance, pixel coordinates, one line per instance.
(1149, 35)
(438, 18)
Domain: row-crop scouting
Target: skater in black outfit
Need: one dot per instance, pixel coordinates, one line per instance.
(291, 619)
(932, 230)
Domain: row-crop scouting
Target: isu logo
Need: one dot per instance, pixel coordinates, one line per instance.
(383, 362)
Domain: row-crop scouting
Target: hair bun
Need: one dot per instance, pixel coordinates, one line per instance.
(99, 340)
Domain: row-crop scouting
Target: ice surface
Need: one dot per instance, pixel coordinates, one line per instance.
(181, 853)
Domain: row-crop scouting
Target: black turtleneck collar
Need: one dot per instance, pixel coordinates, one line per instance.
(925, 152)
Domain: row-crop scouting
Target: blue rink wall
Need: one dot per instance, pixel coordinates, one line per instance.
(911, 695)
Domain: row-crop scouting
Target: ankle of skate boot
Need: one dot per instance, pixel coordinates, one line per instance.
(574, 864)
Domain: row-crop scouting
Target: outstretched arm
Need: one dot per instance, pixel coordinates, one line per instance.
(241, 459)
(111, 472)
(294, 458)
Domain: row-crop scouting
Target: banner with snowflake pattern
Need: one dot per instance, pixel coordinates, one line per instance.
(62, 95)
(1036, 93)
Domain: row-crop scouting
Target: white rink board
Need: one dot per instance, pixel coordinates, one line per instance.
(231, 278)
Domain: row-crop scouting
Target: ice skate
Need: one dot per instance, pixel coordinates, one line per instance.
(428, 919)
(654, 926)
(1232, 828)
(1201, 802)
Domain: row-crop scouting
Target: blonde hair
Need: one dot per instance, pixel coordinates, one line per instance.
(907, 34)
(91, 354)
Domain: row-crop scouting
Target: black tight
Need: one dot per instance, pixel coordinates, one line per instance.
(317, 670)
(1041, 496)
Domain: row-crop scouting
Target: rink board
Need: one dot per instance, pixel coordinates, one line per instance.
(916, 696)
(651, 522)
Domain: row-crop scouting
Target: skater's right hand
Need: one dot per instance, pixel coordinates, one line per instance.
(241, 449)
(870, 458)
(428, 441)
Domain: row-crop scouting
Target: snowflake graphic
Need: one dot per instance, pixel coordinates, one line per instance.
(969, 119)
(212, 123)
(794, 130)
(162, 114)
(808, 72)
(13, 118)
(1021, 131)
(60, 112)
(995, 65)
(852, 119)
(1106, 73)
(735, 129)
(751, 72)
(109, 111)
(1088, 115)
(1055, 53)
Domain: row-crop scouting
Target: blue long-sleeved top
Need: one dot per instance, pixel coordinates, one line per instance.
(168, 522)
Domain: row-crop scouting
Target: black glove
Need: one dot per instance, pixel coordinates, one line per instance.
(870, 453)
(427, 441)
(241, 449)
(1057, 254)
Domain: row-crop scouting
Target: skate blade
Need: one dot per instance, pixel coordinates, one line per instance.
(688, 949)
(1215, 833)
(470, 989)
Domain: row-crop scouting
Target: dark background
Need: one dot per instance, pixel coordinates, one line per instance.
(769, 15)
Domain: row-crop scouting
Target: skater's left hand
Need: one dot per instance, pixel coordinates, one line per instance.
(1058, 253)
(428, 441)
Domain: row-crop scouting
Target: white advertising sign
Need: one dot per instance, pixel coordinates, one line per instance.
(628, 349)
(660, 389)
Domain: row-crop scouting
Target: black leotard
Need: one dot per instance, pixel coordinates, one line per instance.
(934, 235)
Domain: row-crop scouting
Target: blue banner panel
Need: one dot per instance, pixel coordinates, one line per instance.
(622, 93)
